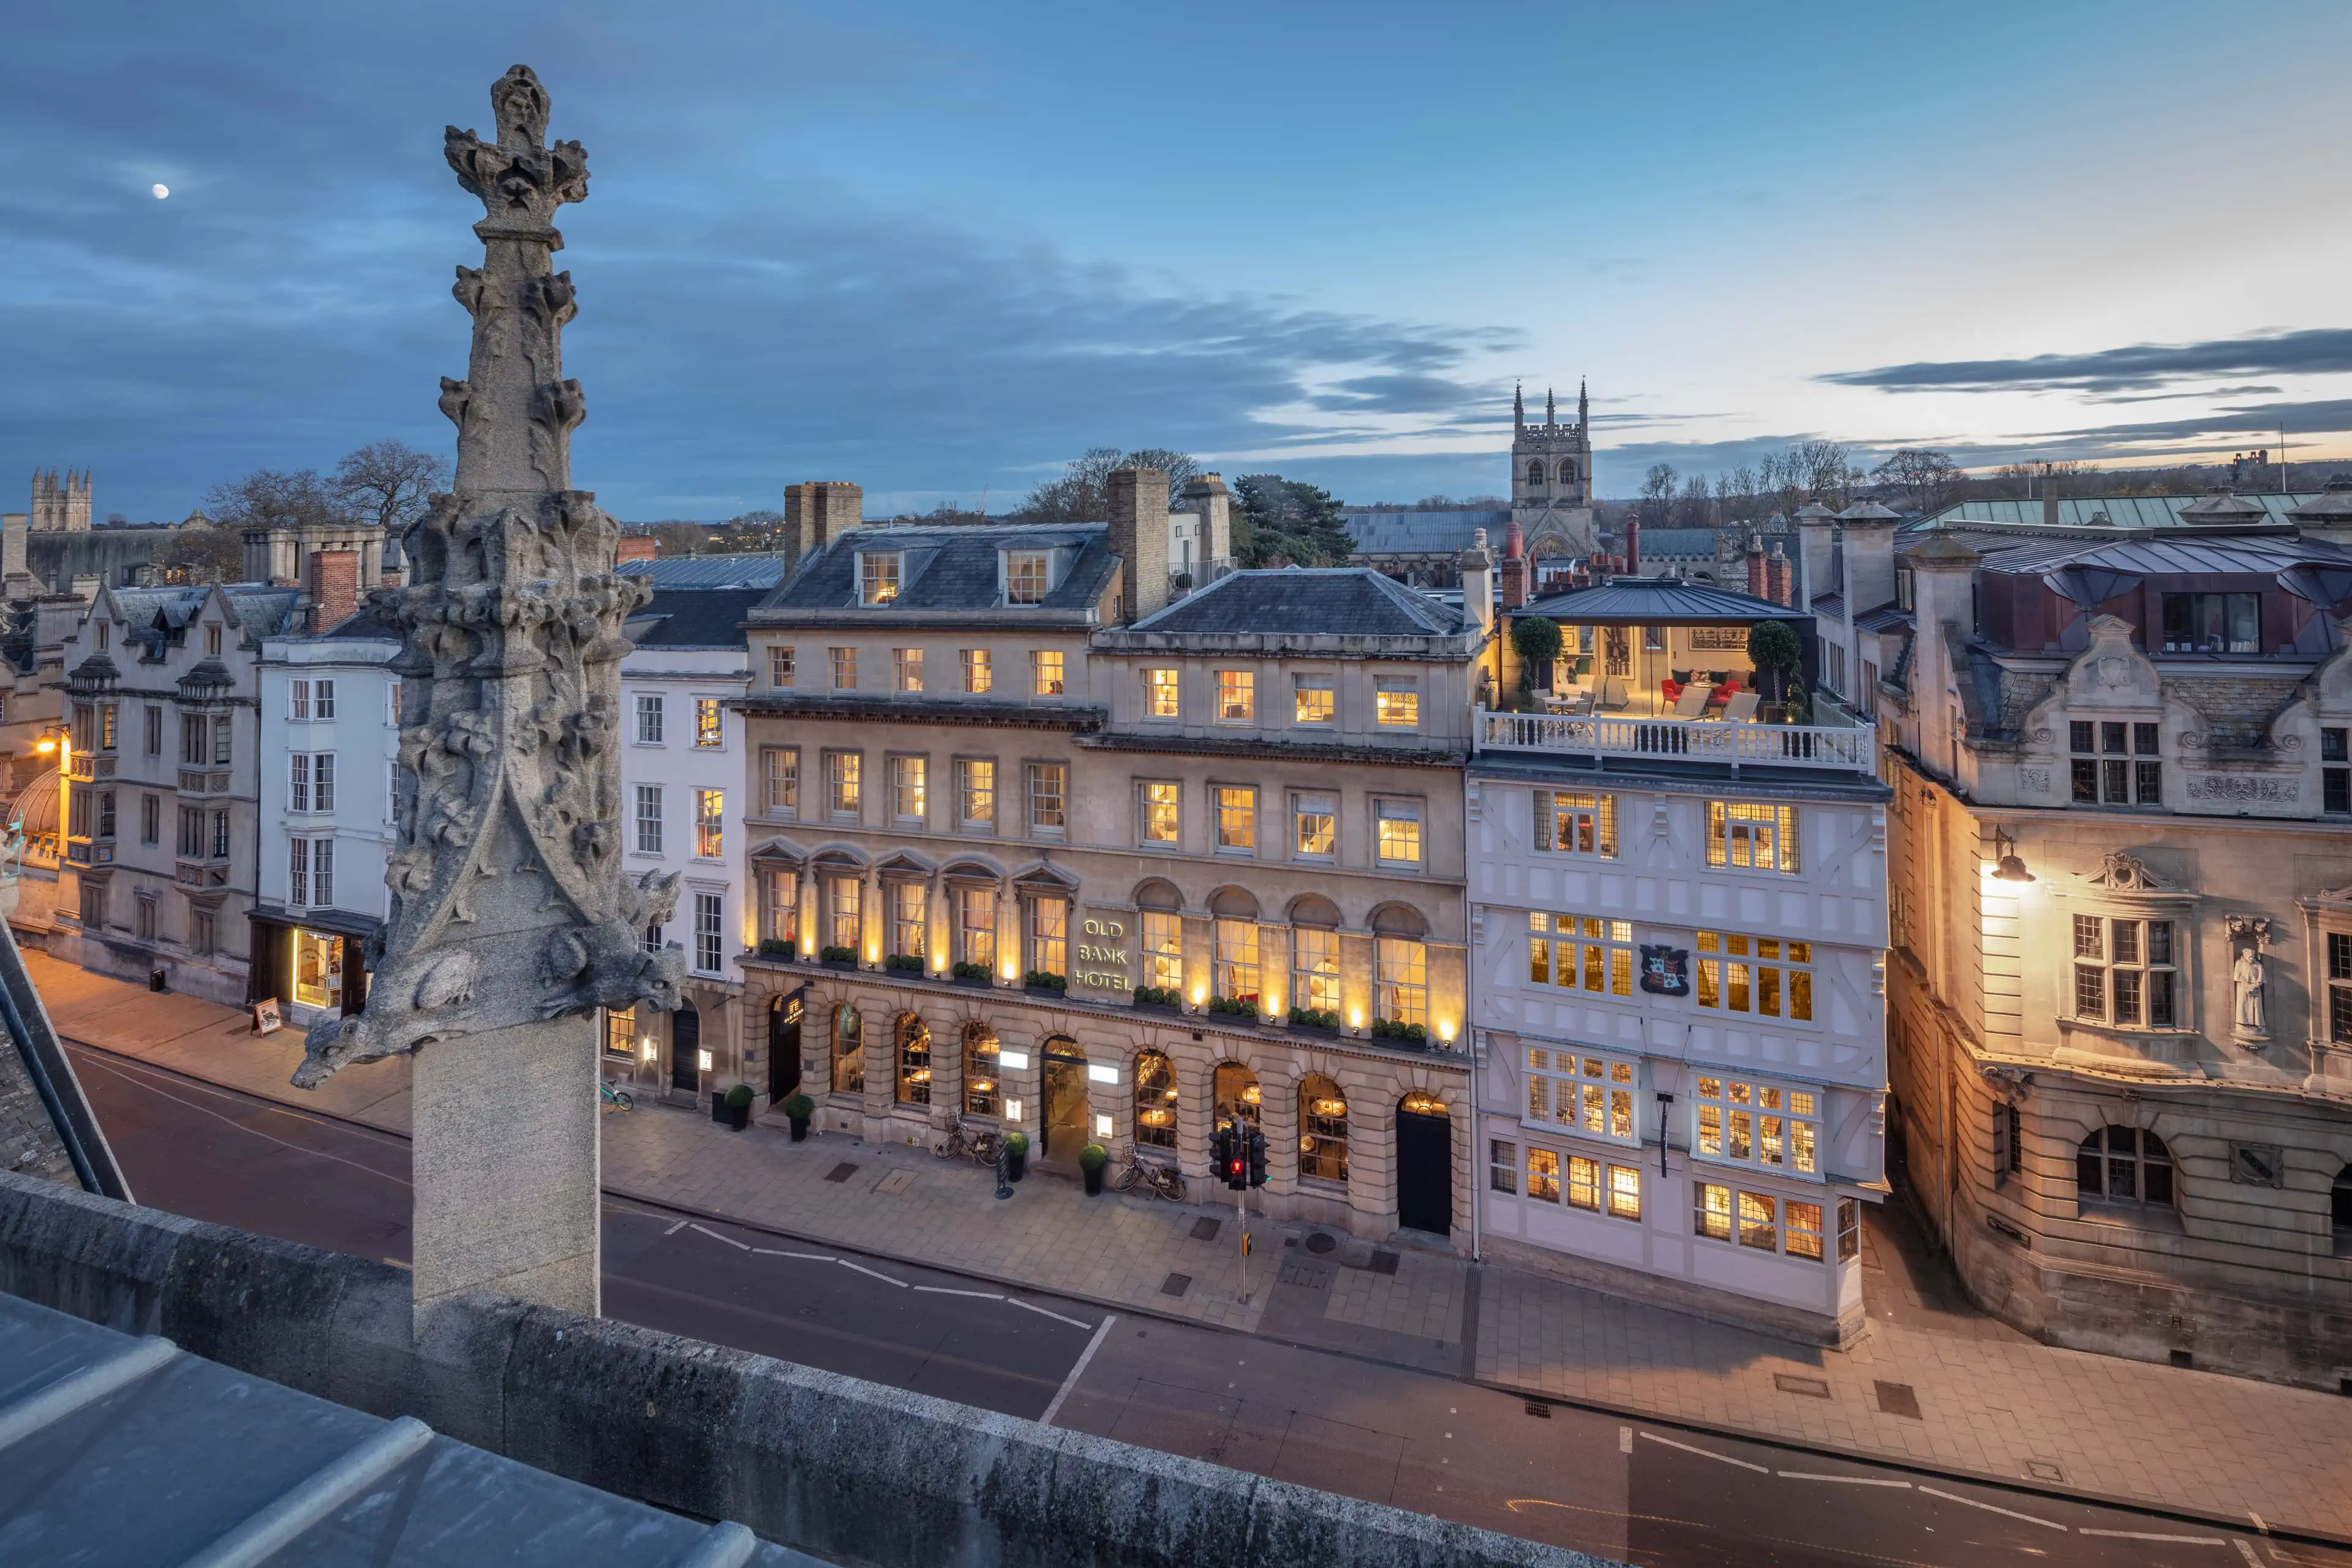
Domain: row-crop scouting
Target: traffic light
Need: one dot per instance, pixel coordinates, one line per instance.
(1231, 1151)
(1257, 1157)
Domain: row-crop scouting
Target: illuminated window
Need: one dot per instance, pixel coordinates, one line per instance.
(976, 792)
(1049, 784)
(1236, 696)
(1400, 980)
(1543, 1175)
(1801, 1229)
(1396, 831)
(1049, 936)
(1312, 700)
(1711, 1211)
(709, 723)
(1155, 1100)
(976, 927)
(1751, 838)
(709, 932)
(1315, 968)
(909, 920)
(906, 669)
(1397, 701)
(1502, 1165)
(1322, 1129)
(780, 767)
(843, 912)
(1744, 1122)
(1046, 672)
(1582, 953)
(843, 781)
(1577, 824)
(845, 668)
(1317, 823)
(979, 671)
(780, 664)
(877, 577)
(1159, 693)
(709, 824)
(1583, 1092)
(1237, 818)
(1766, 975)
(1625, 1192)
(1163, 950)
(1025, 576)
(910, 777)
(1237, 974)
(2125, 973)
(1159, 809)
(1759, 1222)
(780, 905)
(982, 1093)
(849, 1051)
(621, 1033)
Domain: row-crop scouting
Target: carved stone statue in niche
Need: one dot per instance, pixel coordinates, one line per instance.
(2249, 1000)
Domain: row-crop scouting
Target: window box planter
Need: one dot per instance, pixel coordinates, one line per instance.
(838, 957)
(972, 975)
(772, 947)
(1321, 1020)
(903, 964)
(1163, 997)
(1046, 981)
(1402, 1033)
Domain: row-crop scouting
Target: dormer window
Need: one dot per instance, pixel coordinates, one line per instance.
(2212, 623)
(877, 577)
(1028, 576)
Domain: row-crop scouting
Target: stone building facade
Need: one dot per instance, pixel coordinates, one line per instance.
(1551, 481)
(2121, 981)
(1053, 855)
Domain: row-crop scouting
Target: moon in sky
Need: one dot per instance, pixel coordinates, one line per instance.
(161, 191)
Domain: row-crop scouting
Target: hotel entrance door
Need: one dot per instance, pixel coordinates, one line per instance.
(1064, 1131)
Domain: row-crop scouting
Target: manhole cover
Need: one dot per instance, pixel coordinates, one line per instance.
(1205, 1228)
(1383, 1263)
(1321, 1241)
(1898, 1399)
(841, 1172)
(896, 1182)
(1176, 1284)
(1810, 1387)
(2044, 1470)
(1540, 1410)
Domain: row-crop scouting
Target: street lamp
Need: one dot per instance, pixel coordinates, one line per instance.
(60, 741)
(2008, 868)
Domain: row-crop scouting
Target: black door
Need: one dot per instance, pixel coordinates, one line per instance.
(784, 1046)
(1424, 1171)
(686, 1048)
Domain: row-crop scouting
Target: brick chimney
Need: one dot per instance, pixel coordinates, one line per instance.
(636, 547)
(1633, 544)
(1777, 587)
(819, 512)
(1515, 567)
(334, 588)
(1139, 536)
(1756, 567)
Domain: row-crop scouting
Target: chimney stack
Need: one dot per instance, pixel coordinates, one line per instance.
(1477, 569)
(1138, 537)
(1515, 567)
(1777, 587)
(1633, 544)
(636, 547)
(819, 512)
(2048, 501)
(1207, 495)
(334, 588)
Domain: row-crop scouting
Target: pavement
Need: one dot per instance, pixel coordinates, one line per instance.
(1932, 1387)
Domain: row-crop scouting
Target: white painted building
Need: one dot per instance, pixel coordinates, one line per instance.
(330, 754)
(683, 776)
(1678, 945)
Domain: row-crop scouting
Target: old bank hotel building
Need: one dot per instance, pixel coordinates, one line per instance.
(1049, 834)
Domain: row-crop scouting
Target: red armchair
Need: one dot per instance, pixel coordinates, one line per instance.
(1723, 693)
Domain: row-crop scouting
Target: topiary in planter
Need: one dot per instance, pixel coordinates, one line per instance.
(903, 961)
(1091, 1161)
(836, 954)
(776, 947)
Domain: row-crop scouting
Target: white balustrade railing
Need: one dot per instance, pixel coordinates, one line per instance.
(1851, 748)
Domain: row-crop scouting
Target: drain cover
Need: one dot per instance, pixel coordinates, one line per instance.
(841, 1172)
(1898, 1399)
(1176, 1284)
(1321, 1242)
(1205, 1228)
(1810, 1387)
(1383, 1263)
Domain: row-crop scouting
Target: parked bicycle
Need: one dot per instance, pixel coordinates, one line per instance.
(613, 1095)
(1161, 1181)
(978, 1144)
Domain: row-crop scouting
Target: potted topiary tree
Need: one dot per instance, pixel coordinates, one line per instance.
(1016, 1149)
(797, 1111)
(1091, 1161)
(1773, 649)
(739, 1107)
(1536, 641)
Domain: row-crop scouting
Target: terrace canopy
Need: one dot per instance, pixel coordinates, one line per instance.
(1647, 631)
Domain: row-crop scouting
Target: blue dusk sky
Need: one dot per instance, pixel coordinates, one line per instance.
(939, 249)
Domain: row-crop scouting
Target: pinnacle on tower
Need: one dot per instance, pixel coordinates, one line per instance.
(1582, 404)
(1552, 409)
(1519, 407)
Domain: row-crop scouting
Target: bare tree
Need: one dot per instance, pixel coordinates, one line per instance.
(267, 498)
(1658, 494)
(1924, 479)
(202, 553)
(1082, 495)
(390, 482)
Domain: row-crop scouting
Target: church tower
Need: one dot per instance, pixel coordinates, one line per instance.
(1551, 480)
(60, 508)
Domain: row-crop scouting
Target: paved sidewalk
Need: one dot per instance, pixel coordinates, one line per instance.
(1931, 1383)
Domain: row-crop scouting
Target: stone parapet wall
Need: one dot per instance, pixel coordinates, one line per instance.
(830, 1464)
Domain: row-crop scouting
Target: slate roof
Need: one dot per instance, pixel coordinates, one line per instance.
(753, 570)
(1886, 617)
(1425, 532)
(949, 571)
(1660, 602)
(367, 626)
(1305, 601)
(692, 617)
(2104, 512)
(1677, 542)
(2182, 553)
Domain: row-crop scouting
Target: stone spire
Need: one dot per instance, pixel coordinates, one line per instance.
(1518, 406)
(511, 921)
(1551, 408)
(1583, 408)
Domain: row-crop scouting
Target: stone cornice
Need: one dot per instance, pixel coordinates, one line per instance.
(919, 710)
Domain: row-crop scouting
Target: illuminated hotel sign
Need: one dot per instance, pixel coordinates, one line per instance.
(1102, 955)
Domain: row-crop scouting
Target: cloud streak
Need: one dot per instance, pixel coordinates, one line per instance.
(2325, 351)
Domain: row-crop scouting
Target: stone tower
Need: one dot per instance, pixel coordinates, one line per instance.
(1551, 480)
(511, 920)
(60, 507)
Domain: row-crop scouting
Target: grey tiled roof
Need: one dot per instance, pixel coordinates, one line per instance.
(1659, 602)
(759, 570)
(1349, 600)
(695, 618)
(950, 570)
(1423, 532)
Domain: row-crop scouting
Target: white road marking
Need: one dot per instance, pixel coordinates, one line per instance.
(1843, 1480)
(738, 1246)
(2142, 1535)
(2247, 1551)
(1624, 1439)
(870, 1272)
(976, 1295)
(2006, 1513)
(1704, 1454)
(803, 1257)
(673, 1230)
(1027, 1306)
(1078, 1367)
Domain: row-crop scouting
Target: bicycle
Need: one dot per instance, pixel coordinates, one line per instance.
(613, 1095)
(1160, 1181)
(979, 1146)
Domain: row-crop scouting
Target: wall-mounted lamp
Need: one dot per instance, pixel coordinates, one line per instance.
(1012, 1112)
(2008, 867)
(702, 1061)
(649, 1049)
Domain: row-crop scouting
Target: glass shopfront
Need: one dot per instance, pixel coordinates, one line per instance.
(317, 969)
